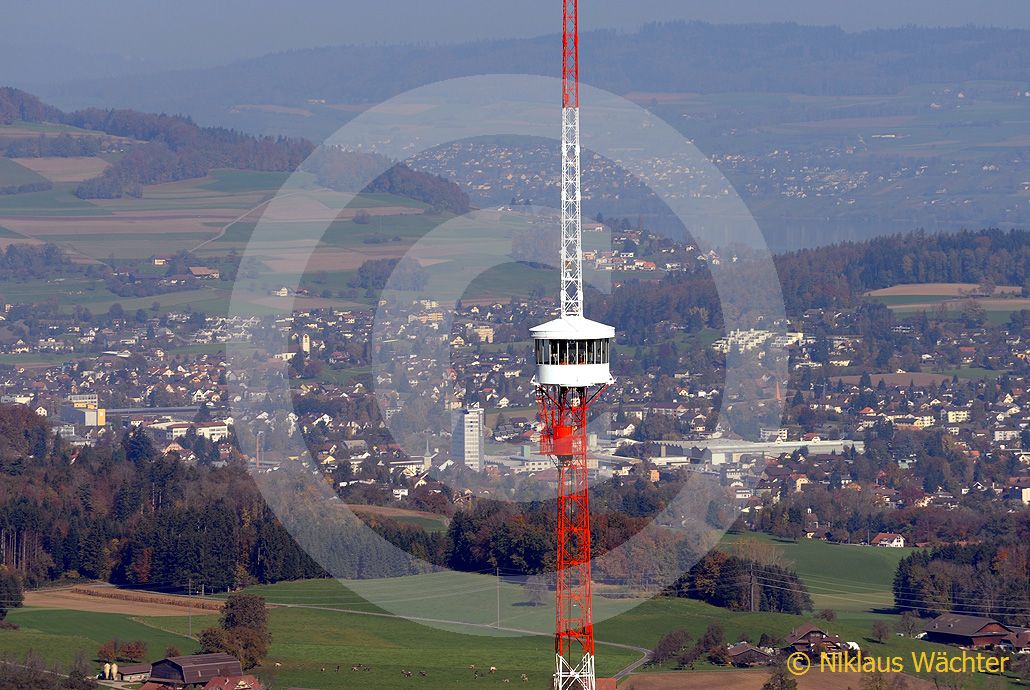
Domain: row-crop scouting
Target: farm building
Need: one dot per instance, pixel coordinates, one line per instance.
(813, 640)
(745, 654)
(189, 671)
(133, 673)
(966, 631)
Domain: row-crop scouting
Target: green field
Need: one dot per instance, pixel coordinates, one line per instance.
(59, 201)
(12, 173)
(59, 636)
(843, 577)
(244, 180)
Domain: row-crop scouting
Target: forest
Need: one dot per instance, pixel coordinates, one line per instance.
(988, 579)
(837, 275)
(126, 513)
(169, 148)
(834, 276)
(347, 170)
(177, 149)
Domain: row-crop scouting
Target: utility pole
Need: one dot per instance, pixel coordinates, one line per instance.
(498, 579)
(752, 588)
(189, 605)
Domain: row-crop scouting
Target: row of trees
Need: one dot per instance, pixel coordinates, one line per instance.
(63, 145)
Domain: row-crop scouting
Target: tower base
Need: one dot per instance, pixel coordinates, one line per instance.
(567, 677)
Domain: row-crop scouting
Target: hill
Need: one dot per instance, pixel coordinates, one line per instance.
(665, 57)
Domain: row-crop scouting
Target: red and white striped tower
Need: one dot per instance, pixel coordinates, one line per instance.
(572, 370)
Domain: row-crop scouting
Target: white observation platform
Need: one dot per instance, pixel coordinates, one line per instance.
(573, 352)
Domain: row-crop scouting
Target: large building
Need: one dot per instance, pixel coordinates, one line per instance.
(191, 671)
(967, 631)
(467, 426)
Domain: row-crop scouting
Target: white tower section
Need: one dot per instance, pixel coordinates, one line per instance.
(572, 351)
(571, 216)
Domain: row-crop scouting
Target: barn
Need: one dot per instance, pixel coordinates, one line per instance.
(198, 669)
(966, 631)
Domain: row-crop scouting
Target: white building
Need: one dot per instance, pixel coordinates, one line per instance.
(467, 426)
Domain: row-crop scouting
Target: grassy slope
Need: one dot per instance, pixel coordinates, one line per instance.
(59, 636)
(12, 173)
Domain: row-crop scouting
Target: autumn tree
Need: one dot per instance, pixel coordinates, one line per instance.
(670, 645)
(242, 632)
(133, 651)
(881, 631)
(108, 651)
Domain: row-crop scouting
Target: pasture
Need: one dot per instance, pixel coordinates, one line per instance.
(61, 635)
(950, 299)
(72, 169)
(12, 173)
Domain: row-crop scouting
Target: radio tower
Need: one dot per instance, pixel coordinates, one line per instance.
(572, 358)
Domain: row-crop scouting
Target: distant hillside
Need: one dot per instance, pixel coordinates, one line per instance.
(667, 57)
(173, 147)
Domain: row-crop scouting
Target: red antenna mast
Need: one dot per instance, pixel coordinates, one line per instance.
(570, 54)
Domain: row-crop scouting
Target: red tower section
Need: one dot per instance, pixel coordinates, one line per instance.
(563, 412)
(570, 54)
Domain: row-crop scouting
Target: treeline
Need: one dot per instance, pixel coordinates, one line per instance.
(435, 190)
(16, 104)
(837, 275)
(25, 261)
(178, 149)
(63, 145)
(347, 171)
(743, 584)
(128, 514)
(987, 579)
(173, 148)
(407, 274)
(39, 186)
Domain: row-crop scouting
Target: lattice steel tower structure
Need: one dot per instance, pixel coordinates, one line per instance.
(572, 370)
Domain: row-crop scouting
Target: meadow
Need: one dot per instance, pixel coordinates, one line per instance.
(912, 299)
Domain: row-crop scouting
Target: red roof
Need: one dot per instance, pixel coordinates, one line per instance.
(246, 682)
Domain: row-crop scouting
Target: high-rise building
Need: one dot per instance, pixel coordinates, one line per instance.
(467, 426)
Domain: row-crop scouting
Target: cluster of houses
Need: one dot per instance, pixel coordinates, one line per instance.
(813, 640)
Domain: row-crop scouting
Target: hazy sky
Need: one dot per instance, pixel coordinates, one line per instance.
(206, 32)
